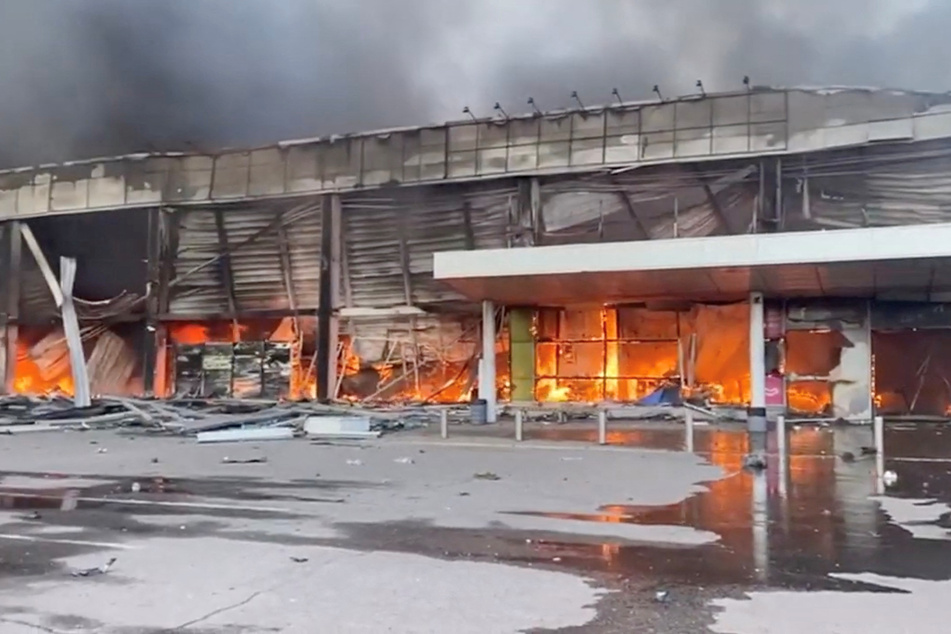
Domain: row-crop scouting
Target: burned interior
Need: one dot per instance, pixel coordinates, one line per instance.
(272, 274)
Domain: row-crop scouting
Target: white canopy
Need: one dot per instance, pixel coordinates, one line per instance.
(893, 263)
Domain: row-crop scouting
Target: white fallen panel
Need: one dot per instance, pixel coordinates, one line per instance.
(246, 435)
(345, 435)
(337, 426)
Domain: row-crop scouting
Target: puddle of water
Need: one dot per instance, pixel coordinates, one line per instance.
(70, 499)
(31, 490)
(781, 530)
(805, 440)
(33, 501)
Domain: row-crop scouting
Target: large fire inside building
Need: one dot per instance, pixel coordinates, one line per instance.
(772, 248)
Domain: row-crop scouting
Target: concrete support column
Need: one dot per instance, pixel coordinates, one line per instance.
(757, 358)
(757, 352)
(487, 390)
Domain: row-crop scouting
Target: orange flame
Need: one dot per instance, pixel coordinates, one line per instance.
(29, 379)
(599, 371)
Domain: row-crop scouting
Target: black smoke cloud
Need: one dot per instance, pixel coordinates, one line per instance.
(86, 78)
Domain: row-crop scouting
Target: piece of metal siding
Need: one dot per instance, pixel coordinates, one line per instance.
(896, 191)
(258, 281)
(372, 227)
(201, 293)
(373, 259)
(256, 267)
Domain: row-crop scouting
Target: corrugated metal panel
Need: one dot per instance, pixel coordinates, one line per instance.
(256, 266)
(371, 242)
(372, 229)
(201, 292)
(600, 208)
(893, 187)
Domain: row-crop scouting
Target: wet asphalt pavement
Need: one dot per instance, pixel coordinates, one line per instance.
(800, 525)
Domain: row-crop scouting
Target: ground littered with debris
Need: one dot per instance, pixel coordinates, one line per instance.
(117, 533)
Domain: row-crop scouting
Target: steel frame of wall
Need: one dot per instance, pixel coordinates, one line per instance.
(606, 342)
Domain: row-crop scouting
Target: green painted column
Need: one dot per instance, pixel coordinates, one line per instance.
(522, 354)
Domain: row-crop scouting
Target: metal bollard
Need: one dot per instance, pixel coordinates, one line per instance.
(781, 450)
(602, 427)
(781, 435)
(879, 431)
(519, 422)
(688, 419)
(444, 423)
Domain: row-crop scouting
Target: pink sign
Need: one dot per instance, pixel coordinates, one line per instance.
(774, 391)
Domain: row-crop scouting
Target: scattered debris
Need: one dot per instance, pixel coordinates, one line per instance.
(92, 572)
(404, 461)
(486, 475)
(300, 560)
(242, 419)
(662, 596)
(889, 478)
(754, 462)
(190, 416)
(864, 452)
(257, 460)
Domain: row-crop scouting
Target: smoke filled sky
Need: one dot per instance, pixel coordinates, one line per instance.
(85, 78)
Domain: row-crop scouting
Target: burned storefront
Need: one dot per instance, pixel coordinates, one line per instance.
(780, 248)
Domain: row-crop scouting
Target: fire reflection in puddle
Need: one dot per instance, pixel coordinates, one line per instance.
(824, 520)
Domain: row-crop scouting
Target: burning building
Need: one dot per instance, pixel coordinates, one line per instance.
(780, 248)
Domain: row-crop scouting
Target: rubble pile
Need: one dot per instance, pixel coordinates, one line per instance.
(209, 420)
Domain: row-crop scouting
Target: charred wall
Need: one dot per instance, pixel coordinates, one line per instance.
(253, 269)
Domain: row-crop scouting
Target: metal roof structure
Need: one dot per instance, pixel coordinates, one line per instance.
(616, 138)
